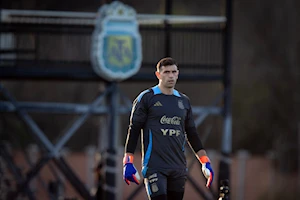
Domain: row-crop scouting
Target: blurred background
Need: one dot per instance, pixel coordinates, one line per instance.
(265, 96)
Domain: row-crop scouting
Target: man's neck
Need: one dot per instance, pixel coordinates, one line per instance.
(164, 90)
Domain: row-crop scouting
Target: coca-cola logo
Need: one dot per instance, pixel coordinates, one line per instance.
(170, 120)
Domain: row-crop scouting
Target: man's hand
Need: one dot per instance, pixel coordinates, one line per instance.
(207, 170)
(130, 173)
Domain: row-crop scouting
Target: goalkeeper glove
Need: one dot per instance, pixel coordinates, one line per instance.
(130, 173)
(207, 170)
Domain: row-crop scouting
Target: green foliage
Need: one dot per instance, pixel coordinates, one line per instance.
(251, 117)
(15, 131)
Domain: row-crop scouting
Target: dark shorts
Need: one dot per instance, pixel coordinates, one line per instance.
(158, 182)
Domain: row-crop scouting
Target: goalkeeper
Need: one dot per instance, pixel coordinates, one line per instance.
(164, 118)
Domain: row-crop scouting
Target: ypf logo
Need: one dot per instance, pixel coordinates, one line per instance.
(170, 132)
(116, 43)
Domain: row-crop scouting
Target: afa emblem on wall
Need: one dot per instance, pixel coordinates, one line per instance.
(116, 52)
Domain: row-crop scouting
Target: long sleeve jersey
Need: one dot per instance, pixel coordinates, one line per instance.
(164, 122)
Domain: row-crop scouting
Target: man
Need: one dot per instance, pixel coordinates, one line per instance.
(165, 117)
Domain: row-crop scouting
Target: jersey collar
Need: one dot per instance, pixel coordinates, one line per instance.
(156, 90)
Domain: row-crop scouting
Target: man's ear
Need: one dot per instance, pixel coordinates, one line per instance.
(157, 74)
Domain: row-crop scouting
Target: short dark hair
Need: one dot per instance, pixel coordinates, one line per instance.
(165, 62)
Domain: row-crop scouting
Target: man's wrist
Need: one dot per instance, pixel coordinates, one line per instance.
(128, 158)
(204, 159)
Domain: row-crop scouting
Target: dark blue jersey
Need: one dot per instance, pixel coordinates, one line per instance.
(165, 121)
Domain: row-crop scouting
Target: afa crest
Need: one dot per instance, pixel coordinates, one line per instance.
(116, 43)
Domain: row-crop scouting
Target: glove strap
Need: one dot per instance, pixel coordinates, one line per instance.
(204, 159)
(127, 159)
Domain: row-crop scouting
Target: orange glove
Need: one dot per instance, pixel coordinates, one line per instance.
(207, 170)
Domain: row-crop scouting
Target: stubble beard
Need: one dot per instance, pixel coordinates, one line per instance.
(170, 85)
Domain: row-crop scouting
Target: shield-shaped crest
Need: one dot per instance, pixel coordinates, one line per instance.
(116, 45)
(180, 104)
(154, 187)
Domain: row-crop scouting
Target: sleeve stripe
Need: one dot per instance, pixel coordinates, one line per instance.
(141, 95)
(147, 155)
